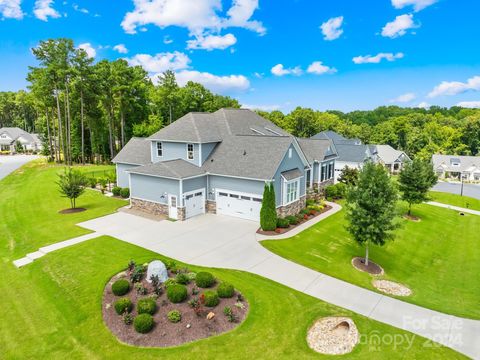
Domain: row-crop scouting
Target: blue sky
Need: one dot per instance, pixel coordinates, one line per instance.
(270, 54)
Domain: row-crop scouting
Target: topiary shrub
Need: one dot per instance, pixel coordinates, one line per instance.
(125, 193)
(268, 212)
(143, 323)
(293, 220)
(225, 290)
(146, 306)
(182, 278)
(211, 298)
(116, 190)
(283, 223)
(176, 293)
(120, 287)
(123, 305)
(204, 279)
(174, 316)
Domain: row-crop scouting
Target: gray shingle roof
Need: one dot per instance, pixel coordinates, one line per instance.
(388, 154)
(352, 153)
(213, 127)
(467, 163)
(336, 138)
(176, 169)
(317, 149)
(15, 133)
(136, 152)
(292, 174)
(256, 157)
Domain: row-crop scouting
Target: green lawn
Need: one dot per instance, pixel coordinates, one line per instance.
(456, 200)
(438, 258)
(52, 308)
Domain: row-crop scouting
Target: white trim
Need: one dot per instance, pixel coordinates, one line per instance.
(257, 131)
(156, 148)
(130, 189)
(273, 131)
(199, 154)
(170, 196)
(285, 185)
(187, 141)
(181, 192)
(126, 163)
(193, 151)
(237, 193)
(241, 177)
(298, 177)
(167, 177)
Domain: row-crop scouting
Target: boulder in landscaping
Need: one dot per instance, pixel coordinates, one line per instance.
(158, 268)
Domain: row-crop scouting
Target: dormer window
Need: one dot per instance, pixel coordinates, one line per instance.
(159, 149)
(190, 154)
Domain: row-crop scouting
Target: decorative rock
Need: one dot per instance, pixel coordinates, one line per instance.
(189, 326)
(210, 316)
(392, 288)
(333, 335)
(108, 305)
(158, 268)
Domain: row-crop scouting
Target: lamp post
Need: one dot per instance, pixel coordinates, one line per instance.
(461, 188)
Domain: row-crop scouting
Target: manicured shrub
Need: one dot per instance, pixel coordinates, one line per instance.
(309, 202)
(120, 287)
(146, 306)
(336, 191)
(123, 305)
(176, 293)
(143, 323)
(225, 290)
(268, 212)
(204, 279)
(191, 276)
(283, 223)
(169, 282)
(182, 279)
(211, 298)
(293, 220)
(125, 193)
(174, 316)
(116, 190)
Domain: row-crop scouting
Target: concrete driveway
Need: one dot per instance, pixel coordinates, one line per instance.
(227, 242)
(471, 190)
(10, 163)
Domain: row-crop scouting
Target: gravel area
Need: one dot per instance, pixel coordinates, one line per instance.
(392, 288)
(333, 335)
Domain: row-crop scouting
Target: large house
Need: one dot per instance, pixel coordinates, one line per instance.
(10, 136)
(353, 153)
(453, 166)
(219, 163)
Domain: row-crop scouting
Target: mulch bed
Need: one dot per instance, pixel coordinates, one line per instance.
(166, 333)
(72, 211)
(372, 268)
(291, 227)
(411, 218)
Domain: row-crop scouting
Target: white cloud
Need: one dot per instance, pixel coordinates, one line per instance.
(469, 104)
(424, 105)
(161, 62)
(318, 68)
(417, 4)
(331, 29)
(43, 10)
(120, 48)
(89, 49)
(79, 9)
(218, 84)
(259, 75)
(455, 87)
(211, 42)
(404, 98)
(399, 26)
(279, 70)
(195, 15)
(377, 58)
(11, 9)
(262, 107)
(167, 40)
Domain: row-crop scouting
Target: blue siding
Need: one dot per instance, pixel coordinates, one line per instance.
(288, 164)
(206, 151)
(174, 150)
(235, 184)
(122, 175)
(195, 184)
(153, 188)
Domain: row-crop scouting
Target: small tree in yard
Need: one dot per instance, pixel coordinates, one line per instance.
(415, 180)
(348, 176)
(268, 212)
(72, 184)
(371, 207)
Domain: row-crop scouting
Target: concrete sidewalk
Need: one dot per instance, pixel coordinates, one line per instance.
(452, 207)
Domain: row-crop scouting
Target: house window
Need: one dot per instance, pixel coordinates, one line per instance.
(291, 191)
(330, 170)
(290, 153)
(190, 151)
(159, 149)
(323, 176)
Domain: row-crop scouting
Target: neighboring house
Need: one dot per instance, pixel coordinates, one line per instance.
(452, 166)
(353, 153)
(219, 163)
(10, 135)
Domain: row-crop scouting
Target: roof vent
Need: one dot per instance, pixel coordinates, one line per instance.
(244, 152)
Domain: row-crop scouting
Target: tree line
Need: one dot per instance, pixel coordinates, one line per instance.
(86, 111)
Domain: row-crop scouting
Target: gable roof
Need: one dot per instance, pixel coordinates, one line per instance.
(15, 132)
(175, 169)
(200, 127)
(388, 154)
(352, 153)
(466, 163)
(249, 156)
(317, 149)
(136, 152)
(336, 138)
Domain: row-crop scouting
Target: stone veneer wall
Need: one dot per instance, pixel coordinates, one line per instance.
(292, 209)
(211, 207)
(181, 213)
(149, 207)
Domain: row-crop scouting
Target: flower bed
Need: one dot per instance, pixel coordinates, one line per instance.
(174, 323)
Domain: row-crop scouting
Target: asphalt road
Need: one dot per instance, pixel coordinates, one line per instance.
(10, 163)
(471, 190)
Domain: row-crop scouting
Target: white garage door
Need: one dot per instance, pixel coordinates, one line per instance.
(242, 205)
(194, 203)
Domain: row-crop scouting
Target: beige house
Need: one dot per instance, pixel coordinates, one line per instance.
(454, 166)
